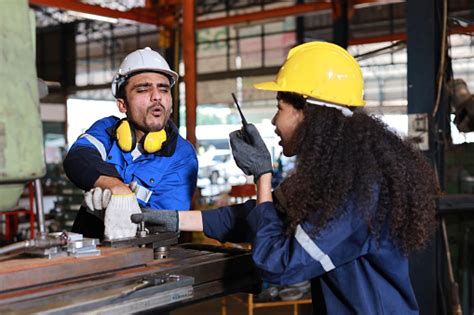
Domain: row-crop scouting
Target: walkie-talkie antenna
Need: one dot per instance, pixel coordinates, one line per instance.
(244, 121)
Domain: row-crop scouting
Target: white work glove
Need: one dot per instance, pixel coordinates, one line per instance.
(117, 217)
(97, 199)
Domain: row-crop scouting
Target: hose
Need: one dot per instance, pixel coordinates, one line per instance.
(35, 243)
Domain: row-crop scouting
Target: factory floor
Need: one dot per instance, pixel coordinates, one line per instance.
(213, 307)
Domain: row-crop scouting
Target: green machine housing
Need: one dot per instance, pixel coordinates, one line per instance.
(21, 133)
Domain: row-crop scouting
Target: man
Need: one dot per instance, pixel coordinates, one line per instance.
(143, 153)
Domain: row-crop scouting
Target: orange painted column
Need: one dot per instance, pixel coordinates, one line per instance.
(189, 57)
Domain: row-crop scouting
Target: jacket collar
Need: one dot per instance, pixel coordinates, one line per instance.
(172, 134)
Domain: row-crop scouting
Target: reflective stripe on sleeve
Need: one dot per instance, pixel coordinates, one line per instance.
(313, 250)
(97, 144)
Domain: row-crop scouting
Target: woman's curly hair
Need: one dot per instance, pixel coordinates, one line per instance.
(342, 157)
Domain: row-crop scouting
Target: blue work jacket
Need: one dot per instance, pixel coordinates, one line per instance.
(166, 179)
(350, 271)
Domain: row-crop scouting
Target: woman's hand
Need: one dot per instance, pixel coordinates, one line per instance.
(251, 157)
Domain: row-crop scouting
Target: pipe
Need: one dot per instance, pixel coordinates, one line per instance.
(455, 300)
(14, 247)
(39, 207)
(36, 243)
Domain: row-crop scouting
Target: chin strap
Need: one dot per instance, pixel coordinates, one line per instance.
(344, 110)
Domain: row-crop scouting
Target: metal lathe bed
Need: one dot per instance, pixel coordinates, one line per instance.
(124, 279)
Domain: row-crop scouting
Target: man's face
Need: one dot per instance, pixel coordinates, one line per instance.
(148, 103)
(286, 121)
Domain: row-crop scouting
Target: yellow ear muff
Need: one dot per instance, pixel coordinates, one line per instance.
(154, 141)
(125, 135)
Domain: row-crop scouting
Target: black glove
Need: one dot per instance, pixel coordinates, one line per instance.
(158, 220)
(252, 158)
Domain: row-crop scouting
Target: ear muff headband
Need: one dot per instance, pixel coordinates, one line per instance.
(126, 140)
(125, 134)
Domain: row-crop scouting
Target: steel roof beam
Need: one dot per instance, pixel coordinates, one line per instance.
(265, 14)
(141, 15)
(296, 9)
(403, 36)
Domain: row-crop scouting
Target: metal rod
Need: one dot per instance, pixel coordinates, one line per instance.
(39, 207)
(14, 247)
(455, 299)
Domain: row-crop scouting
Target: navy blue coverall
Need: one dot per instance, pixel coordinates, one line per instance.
(350, 271)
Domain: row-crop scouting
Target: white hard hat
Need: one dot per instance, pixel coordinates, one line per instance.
(142, 60)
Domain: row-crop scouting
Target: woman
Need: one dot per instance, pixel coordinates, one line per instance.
(359, 200)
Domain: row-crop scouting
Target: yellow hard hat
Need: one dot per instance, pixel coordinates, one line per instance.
(322, 71)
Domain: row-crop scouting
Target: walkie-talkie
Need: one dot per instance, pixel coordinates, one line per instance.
(245, 133)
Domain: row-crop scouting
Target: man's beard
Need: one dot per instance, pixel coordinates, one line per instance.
(157, 126)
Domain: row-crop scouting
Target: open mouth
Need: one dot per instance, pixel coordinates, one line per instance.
(156, 111)
(278, 134)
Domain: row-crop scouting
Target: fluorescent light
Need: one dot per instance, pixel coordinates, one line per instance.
(93, 17)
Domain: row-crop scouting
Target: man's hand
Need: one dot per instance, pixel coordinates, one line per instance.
(158, 220)
(252, 158)
(98, 199)
(117, 217)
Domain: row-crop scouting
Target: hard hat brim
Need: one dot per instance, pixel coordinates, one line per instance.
(273, 86)
(173, 75)
(268, 86)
